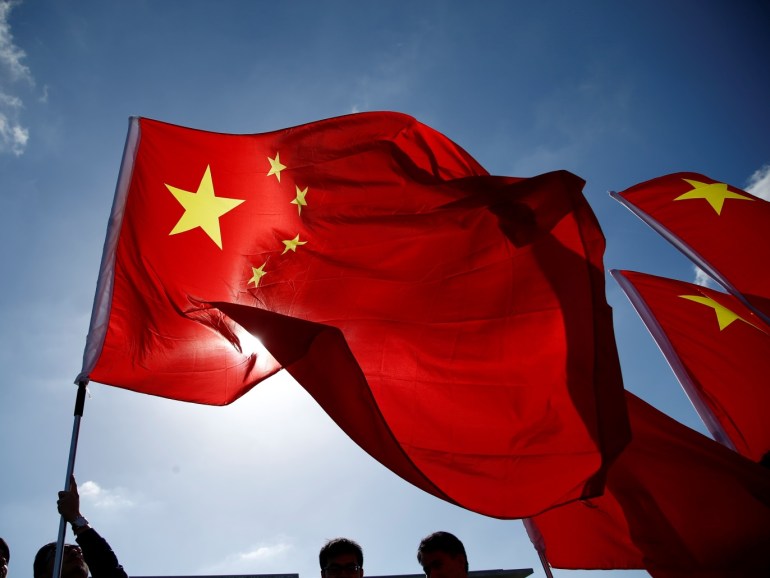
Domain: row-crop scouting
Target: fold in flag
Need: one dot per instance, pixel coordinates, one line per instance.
(452, 323)
(676, 504)
(722, 229)
(719, 351)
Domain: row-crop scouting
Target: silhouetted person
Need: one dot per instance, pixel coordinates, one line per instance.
(92, 554)
(5, 557)
(442, 555)
(341, 558)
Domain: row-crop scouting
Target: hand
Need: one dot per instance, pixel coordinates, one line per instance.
(68, 503)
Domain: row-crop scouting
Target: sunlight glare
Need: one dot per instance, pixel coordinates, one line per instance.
(251, 346)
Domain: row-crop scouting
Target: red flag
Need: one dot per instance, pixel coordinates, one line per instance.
(676, 503)
(451, 322)
(719, 351)
(721, 228)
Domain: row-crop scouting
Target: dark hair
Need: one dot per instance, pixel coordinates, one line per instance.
(44, 556)
(5, 552)
(442, 542)
(337, 547)
(40, 565)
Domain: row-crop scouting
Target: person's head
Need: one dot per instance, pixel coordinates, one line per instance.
(341, 558)
(5, 557)
(442, 555)
(72, 566)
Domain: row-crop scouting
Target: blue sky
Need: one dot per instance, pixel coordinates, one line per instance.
(616, 92)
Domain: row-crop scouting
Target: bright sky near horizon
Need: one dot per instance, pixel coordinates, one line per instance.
(616, 92)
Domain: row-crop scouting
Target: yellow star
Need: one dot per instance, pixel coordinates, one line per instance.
(714, 193)
(300, 200)
(202, 208)
(258, 273)
(275, 167)
(724, 316)
(292, 244)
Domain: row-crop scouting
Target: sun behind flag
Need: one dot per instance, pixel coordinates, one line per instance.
(452, 323)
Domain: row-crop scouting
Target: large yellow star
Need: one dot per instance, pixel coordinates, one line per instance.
(724, 315)
(202, 208)
(291, 244)
(276, 167)
(714, 193)
(300, 200)
(257, 274)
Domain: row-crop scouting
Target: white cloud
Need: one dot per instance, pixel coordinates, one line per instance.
(13, 136)
(103, 498)
(261, 553)
(267, 557)
(759, 183)
(11, 56)
(703, 279)
(8, 101)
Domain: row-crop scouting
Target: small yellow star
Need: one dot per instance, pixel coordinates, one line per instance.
(724, 315)
(300, 200)
(258, 273)
(275, 167)
(292, 244)
(714, 193)
(202, 208)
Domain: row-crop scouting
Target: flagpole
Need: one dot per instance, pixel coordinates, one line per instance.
(80, 401)
(695, 396)
(537, 541)
(691, 254)
(546, 565)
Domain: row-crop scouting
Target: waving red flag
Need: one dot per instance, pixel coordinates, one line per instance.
(719, 351)
(676, 503)
(721, 228)
(451, 322)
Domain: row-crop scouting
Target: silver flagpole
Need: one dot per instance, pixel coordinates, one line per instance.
(80, 401)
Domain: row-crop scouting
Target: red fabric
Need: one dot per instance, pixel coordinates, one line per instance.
(451, 322)
(732, 241)
(676, 503)
(728, 367)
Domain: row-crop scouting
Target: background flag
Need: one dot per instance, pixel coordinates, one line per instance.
(452, 323)
(721, 228)
(719, 351)
(676, 503)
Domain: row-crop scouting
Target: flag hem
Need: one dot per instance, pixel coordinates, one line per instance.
(106, 279)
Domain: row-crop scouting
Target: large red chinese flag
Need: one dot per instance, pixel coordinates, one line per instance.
(719, 351)
(676, 503)
(721, 228)
(451, 322)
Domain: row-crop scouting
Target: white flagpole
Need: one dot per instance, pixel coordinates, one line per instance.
(80, 401)
(537, 541)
